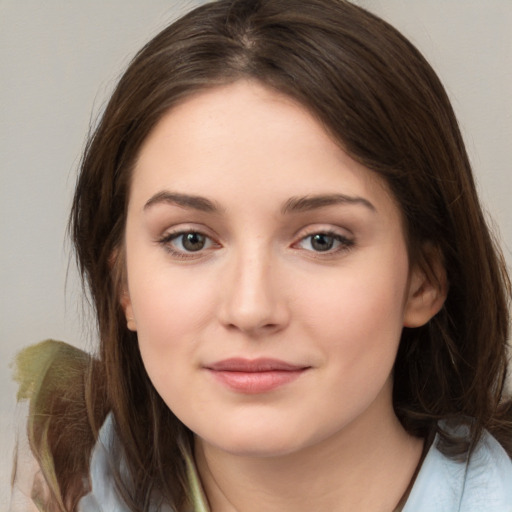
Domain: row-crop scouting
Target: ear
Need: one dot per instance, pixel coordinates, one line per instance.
(428, 288)
(126, 304)
(116, 267)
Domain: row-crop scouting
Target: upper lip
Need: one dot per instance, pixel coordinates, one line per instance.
(240, 364)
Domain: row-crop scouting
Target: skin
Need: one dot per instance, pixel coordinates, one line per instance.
(262, 286)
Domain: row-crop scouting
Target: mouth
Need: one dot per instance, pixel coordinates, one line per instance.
(254, 376)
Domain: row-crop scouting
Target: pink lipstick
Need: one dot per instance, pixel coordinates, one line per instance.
(253, 376)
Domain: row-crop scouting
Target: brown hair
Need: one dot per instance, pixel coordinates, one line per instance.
(376, 94)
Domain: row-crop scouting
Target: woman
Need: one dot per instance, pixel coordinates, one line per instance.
(299, 302)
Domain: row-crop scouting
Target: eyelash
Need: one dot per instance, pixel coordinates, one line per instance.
(168, 238)
(345, 243)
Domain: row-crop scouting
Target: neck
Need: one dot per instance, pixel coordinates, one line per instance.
(368, 465)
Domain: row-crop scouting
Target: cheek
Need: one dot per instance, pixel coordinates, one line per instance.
(178, 301)
(357, 328)
(358, 318)
(169, 325)
(171, 311)
(356, 303)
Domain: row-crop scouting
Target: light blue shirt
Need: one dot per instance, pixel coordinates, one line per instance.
(483, 483)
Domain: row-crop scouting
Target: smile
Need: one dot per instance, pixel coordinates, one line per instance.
(255, 376)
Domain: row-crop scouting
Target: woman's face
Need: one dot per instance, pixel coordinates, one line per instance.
(267, 274)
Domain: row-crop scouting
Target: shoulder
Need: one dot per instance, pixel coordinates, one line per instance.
(104, 494)
(488, 482)
(483, 482)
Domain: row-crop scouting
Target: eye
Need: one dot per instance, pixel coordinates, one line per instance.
(191, 242)
(185, 243)
(325, 242)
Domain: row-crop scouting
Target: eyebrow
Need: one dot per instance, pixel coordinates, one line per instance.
(184, 200)
(292, 205)
(307, 203)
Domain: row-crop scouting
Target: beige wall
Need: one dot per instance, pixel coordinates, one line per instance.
(59, 60)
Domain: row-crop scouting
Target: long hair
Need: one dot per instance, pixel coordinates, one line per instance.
(378, 97)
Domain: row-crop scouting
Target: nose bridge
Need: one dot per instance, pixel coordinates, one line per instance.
(252, 298)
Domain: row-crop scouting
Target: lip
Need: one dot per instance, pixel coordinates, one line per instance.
(254, 376)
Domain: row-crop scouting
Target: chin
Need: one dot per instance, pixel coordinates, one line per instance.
(268, 440)
(266, 448)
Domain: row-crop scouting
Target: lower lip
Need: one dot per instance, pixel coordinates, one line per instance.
(256, 382)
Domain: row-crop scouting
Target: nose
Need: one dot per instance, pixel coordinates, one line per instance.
(253, 298)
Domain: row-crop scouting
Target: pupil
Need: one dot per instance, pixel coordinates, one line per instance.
(322, 242)
(193, 241)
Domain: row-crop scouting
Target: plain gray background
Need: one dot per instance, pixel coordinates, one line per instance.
(58, 62)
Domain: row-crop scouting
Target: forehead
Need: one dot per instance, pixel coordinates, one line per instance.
(245, 139)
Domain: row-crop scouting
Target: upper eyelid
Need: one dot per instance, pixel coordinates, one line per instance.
(299, 234)
(169, 237)
(187, 228)
(323, 228)
(337, 236)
